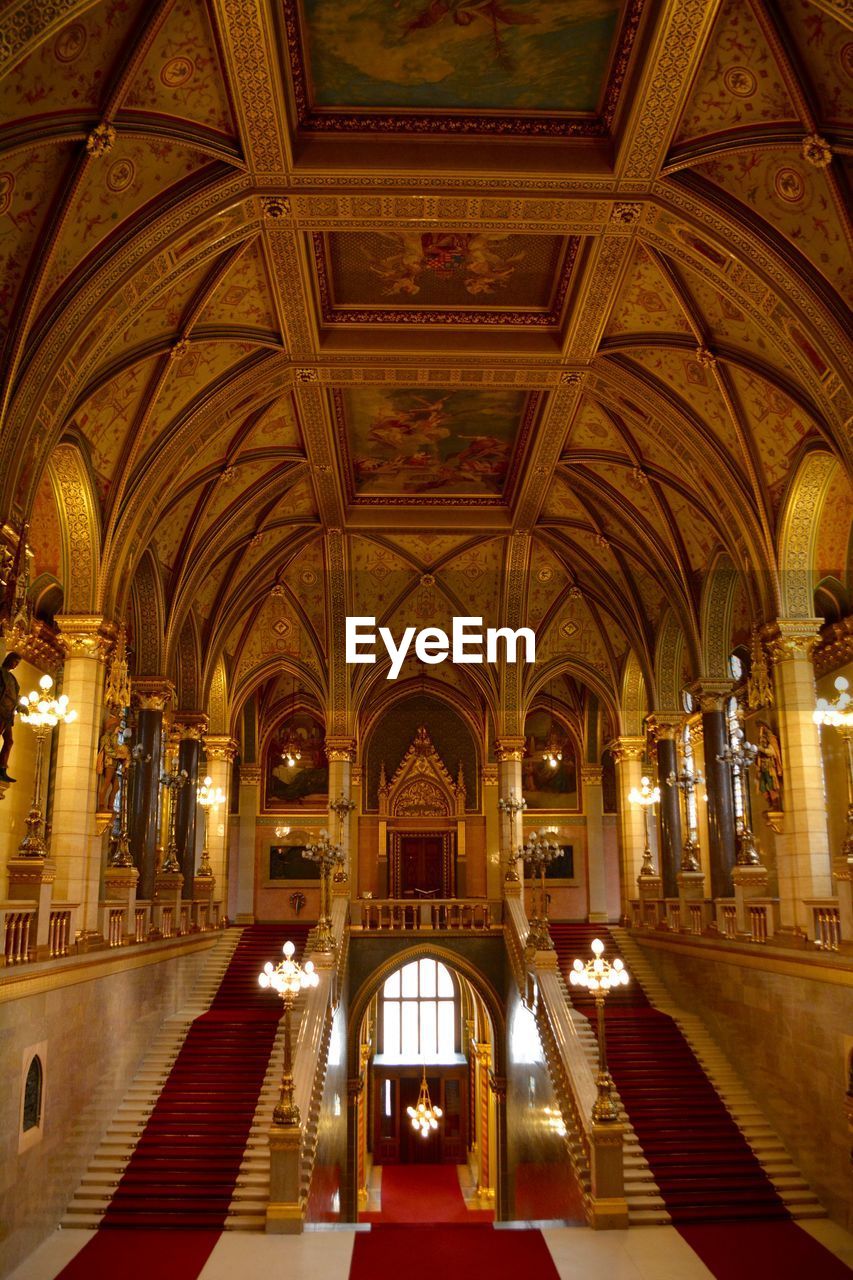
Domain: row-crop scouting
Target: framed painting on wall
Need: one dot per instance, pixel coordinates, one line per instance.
(296, 771)
(287, 863)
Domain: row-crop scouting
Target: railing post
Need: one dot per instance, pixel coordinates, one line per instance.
(609, 1208)
(285, 1209)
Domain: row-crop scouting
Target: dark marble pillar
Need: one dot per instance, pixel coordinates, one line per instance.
(722, 849)
(186, 805)
(670, 815)
(150, 696)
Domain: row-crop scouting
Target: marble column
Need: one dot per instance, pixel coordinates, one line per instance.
(151, 695)
(803, 859)
(339, 753)
(666, 731)
(190, 727)
(220, 751)
(75, 844)
(628, 753)
(250, 806)
(722, 832)
(510, 752)
(593, 803)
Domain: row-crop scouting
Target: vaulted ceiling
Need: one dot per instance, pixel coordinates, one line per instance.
(550, 286)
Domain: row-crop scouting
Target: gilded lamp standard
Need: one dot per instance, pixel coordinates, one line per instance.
(539, 853)
(600, 976)
(342, 808)
(128, 759)
(512, 806)
(287, 978)
(740, 756)
(647, 796)
(208, 797)
(326, 855)
(172, 783)
(687, 781)
(41, 712)
(838, 714)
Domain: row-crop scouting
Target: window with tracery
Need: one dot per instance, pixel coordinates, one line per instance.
(419, 1012)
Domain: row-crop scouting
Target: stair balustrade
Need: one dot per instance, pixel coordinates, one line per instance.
(19, 932)
(437, 915)
(60, 930)
(825, 918)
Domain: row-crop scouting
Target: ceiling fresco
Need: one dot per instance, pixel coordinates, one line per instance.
(410, 443)
(446, 65)
(443, 277)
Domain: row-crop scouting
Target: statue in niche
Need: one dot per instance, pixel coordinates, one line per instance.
(769, 766)
(10, 692)
(111, 751)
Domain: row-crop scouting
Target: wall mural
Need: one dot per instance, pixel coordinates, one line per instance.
(525, 55)
(305, 783)
(420, 442)
(443, 276)
(545, 787)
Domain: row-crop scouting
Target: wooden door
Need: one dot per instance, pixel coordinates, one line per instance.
(415, 1149)
(421, 866)
(386, 1116)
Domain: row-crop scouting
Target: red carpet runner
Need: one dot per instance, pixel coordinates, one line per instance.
(184, 1168)
(423, 1193)
(703, 1165)
(423, 1253)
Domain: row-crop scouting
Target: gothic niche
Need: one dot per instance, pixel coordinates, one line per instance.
(421, 786)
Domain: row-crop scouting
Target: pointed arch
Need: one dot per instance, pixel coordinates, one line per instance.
(669, 654)
(718, 596)
(217, 698)
(798, 533)
(79, 527)
(148, 613)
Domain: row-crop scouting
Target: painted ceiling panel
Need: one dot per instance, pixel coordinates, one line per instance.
(243, 298)
(28, 186)
(646, 302)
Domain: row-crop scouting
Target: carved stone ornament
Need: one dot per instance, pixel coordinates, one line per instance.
(220, 747)
(101, 140)
(152, 693)
(277, 207)
(421, 786)
(626, 213)
(791, 638)
(591, 775)
(85, 636)
(340, 749)
(817, 151)
(628, 749)
(509, 749)
(250, 775)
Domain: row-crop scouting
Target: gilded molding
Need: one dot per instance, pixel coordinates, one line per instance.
(835, 647)
(509, 748)
(250, 775)
(86, 636)
(152, 693)
(792, 638)
(219, 746)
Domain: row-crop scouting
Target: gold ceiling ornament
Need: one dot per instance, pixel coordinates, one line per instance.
(117, 691)
(759, 685)
(816, 151)
(277, 207)
(424, 1116)
(101, 140)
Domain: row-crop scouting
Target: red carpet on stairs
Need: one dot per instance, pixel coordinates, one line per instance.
(703, 1165)
(423, 1193)
(424, 1253)
(184, 1168)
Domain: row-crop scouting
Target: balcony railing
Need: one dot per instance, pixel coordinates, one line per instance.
(738, 919)
(438, 915)
(19, 932)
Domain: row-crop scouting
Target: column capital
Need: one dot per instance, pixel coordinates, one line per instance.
(190, 725)
(789, 638)
(340, 749)
(711, 695)
(219, 746)
(250, 775)
(39, 645)
(86, 635)
(490, 775)
(591, 775)
(664, 726)
(509, 748)
(627, 748)
(152, 693)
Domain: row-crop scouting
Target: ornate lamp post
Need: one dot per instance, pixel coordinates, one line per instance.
(42, 713)
(208, 797)
(838, 714)
(172, 783)
(647, 796)
(127, 762)
(326, 855)
(687, 781)
(600, 976)
(539, 853)
(740, 756)
(287, 978)
(511, 806)
(342, 808)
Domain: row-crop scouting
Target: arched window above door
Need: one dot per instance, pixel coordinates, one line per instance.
(419, 1013)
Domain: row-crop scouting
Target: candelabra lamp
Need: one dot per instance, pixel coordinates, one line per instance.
(172, 782)
(341, 808)
(42, 712)
(424, 1116)
(600, 977)
(538, 854)
(288, 978)
(326, 855)
(127, 763)
(647, 796)
(209, 797)
(511, 806)
(838, 714)
(687, 781)
(740, 756)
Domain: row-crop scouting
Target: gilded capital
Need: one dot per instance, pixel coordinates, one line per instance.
(791, 638)
(152, 693)
(190, 725)
(835, 647)
(664, 726)
(340, 749)
(509, 749)
(490, 775)
(85, 636)
(711, 695)
(219, 746)
(628, 748)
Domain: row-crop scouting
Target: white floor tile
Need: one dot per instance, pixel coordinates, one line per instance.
(831, 1236)
(52, 1255)
(316, 1255)
(647, 1253)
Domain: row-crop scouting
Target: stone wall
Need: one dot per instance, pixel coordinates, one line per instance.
(789, 1036)
(91, 1036)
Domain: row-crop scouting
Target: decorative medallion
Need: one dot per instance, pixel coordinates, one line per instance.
(7, 187)
(177, 72)
(740, 81)
(70, 43)
(789, 185)
(120, 175)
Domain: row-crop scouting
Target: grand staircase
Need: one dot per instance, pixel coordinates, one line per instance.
(710, 1152)
(182, 1150)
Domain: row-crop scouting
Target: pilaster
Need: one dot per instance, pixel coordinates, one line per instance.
(593, 803)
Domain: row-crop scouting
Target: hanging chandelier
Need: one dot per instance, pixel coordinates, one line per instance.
(424, 1116)
(553, 753)
(291, 752)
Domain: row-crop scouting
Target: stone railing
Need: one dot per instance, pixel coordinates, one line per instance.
(18, 921)
(825, 921)
(742, 918)
(435, 915)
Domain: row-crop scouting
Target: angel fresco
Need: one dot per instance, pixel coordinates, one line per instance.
(475, 259)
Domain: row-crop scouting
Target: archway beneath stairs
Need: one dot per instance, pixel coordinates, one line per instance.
(465, 1067)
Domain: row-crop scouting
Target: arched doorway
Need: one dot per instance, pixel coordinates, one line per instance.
(426, 1015)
